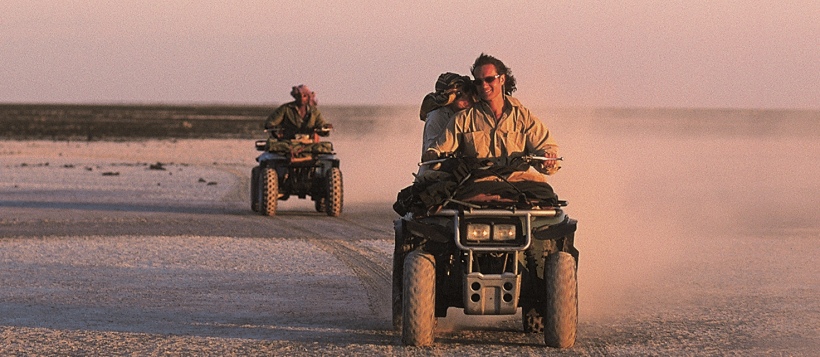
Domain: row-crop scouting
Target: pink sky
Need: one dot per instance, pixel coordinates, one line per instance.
(736, 54)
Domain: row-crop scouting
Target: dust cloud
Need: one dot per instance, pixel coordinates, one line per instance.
(658, 196)
(379, 160)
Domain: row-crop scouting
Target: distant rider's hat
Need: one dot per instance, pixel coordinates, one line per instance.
(297, 91)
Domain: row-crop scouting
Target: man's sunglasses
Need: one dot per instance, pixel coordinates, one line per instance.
(488, 80)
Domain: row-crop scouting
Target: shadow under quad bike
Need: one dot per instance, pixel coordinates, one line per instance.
(302, 167)
(488, 255)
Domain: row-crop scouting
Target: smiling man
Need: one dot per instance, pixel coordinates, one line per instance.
(498, 125)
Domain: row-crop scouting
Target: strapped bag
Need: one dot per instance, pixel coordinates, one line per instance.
(299, 150)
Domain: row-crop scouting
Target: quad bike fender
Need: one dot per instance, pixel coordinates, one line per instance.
(328, 159)
(563, 233)
(435, 233)
(556, 231)
(325, 162)
(271, 156)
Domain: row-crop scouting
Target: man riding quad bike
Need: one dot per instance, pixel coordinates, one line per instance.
(487, 236)
(302, 166)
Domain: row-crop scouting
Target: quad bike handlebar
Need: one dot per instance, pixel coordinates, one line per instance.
(324, 130)
(278, 132)
(527, 158)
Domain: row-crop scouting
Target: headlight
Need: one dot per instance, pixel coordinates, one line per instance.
(504, 232)
(478, 232)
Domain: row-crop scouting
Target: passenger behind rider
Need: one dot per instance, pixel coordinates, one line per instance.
(300, 116)
(497, 125)
(453, 93)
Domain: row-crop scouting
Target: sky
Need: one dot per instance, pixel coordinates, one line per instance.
(573, 53)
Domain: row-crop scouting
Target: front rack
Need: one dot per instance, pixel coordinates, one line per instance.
(554, 212)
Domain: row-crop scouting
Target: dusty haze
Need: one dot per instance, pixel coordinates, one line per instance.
(658, 195)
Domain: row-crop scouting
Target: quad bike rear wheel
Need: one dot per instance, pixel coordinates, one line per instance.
(533, 320)
(561, 307)
(398, 273)
(320, 204)
(255, 189)
(334, 192)
(269, 182)
(396, 301)
(419, 299)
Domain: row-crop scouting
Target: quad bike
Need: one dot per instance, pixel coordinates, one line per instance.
(301, 167)
(488, 258)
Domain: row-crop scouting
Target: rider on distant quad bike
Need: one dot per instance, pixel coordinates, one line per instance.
(301, 116)
(295, 162)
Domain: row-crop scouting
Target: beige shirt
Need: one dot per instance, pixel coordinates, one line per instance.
(474, 132)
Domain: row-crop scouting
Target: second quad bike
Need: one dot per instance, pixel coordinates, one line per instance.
(488, 253)
(303, 167)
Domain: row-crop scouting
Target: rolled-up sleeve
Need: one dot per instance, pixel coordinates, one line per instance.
(276, 117)
(539, 138)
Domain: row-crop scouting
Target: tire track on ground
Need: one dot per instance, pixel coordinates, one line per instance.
(337, 237)
(373, 276)
(332, 228)
(240, 192)
(356, 223)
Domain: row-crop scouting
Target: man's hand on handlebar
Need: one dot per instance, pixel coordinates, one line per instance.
(551, 166)
(429, 155)
(324, 130)
(276, 132)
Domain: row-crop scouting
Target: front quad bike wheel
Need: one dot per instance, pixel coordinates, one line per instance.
(255, 189)
(561, 308)
(334, 192)
(269, 183)
(419, 299)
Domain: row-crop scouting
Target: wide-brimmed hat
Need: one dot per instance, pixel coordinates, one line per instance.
(448, 87)
(447, 81)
